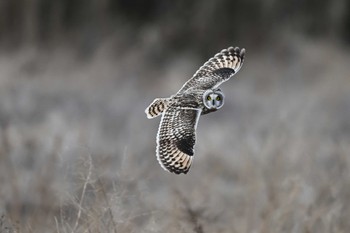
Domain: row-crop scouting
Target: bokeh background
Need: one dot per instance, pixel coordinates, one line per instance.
(77, 153)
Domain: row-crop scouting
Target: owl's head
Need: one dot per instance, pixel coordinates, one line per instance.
(213, 99)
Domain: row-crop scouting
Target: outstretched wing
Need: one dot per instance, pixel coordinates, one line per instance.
(217, 70)
(176, 138)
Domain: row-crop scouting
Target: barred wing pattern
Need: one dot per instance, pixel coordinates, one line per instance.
(176, 138)
(217, 70)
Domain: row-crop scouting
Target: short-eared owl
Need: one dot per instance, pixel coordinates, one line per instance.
(180, 112)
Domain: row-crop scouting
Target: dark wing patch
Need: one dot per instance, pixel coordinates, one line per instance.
(186, 145)
(225, 73)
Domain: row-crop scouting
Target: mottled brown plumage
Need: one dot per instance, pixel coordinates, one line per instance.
(200, 95)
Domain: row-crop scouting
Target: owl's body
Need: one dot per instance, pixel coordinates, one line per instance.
(180, 113)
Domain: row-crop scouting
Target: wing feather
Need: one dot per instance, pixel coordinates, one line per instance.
(216, 70)
(176, 138)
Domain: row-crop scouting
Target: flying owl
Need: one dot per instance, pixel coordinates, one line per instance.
(180, 112)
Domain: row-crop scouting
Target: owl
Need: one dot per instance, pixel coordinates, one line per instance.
(180, 112)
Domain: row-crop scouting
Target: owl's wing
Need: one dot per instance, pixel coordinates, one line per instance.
(176, 138)
(217, 70)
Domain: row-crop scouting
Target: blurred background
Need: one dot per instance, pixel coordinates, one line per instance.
(77, 153)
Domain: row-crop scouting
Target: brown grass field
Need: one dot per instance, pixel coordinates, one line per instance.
(77, 153)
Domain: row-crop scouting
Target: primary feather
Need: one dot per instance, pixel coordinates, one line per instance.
(216, 70)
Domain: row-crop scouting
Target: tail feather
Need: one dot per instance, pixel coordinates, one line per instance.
(156, 107)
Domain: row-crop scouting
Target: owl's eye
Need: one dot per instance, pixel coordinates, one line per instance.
(208, 97)
(218, 98)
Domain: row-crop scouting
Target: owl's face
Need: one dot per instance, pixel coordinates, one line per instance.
(213, 99)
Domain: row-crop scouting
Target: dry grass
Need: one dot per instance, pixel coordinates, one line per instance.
(77, 152)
